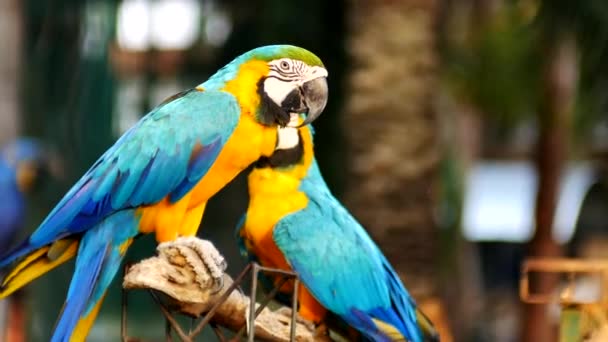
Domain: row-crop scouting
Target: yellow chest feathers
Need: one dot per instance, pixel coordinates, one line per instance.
(273, 195)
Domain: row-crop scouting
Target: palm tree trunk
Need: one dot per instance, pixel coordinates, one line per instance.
(11, 309)
(392, 134)
(10, 36)
(560, 77)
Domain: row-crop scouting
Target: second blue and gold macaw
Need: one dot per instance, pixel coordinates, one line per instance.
(158, 177)
(294, 222)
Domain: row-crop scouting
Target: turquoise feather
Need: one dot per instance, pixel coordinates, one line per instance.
(342, 266)
(98, 261)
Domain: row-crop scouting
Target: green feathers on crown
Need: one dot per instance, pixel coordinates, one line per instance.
(263, 53)
(271, 52)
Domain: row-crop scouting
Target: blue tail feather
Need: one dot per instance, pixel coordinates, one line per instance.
(99, 256)
(81, 289)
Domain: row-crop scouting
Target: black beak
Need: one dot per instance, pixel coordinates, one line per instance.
(309, 99)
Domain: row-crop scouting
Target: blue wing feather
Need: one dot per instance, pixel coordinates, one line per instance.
(75, 304)
(197, 166)
(342, 266)
(99, 258)
(164, 154)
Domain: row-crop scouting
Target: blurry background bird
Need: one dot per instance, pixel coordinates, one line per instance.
(24, 166)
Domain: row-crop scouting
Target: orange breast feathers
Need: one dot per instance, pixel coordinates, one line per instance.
(249, 141)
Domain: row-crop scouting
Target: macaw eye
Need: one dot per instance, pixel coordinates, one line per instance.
(284, 65)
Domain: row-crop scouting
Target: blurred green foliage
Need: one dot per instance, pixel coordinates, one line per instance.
(498, 66)
(588, 21)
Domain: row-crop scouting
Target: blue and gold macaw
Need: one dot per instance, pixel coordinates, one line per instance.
(294, 222)
(158, 177)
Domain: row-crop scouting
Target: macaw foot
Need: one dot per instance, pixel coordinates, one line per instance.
(209, 257)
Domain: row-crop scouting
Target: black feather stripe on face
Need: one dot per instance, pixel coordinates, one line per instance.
(284, 157)
(269, 112)
(294, 102)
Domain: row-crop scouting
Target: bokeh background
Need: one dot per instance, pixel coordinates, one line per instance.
(466, 135)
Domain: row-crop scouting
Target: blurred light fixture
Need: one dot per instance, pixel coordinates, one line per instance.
(576, 182)
(217, 27)
(499, 201)
(163, 24)
(500, 198)
(133, 23)
(175, 24)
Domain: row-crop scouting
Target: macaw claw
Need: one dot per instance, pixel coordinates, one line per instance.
(202, 253)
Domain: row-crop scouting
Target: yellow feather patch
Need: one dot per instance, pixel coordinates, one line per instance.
(244, 86)
(122, 249)
(389, 330)
(192, 221)
(169, 218)
(38, 263)
(81, 331)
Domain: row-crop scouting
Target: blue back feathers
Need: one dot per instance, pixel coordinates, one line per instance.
(342, 266)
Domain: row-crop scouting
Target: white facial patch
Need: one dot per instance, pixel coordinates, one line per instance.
(277, 89)
(314, 72)
(287, 138)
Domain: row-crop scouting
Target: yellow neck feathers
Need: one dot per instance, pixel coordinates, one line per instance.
(245, 85)
(269, 181)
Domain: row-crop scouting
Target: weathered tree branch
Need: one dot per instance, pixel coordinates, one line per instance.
(186, 271)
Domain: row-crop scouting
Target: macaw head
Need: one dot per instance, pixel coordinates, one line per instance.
(27, 158)
(284, 84)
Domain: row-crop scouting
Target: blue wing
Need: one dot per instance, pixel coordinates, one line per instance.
(342, 267)
(165, 154)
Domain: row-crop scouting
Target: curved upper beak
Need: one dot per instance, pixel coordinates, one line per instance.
(308, 99)
(315, 94)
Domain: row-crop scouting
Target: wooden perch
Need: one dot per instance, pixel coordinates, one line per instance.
(186, 271)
